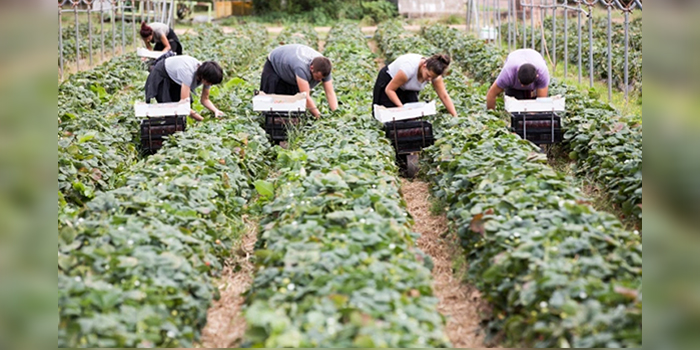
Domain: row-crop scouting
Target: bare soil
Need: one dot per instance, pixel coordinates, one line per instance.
(226, 324)
(460, 303)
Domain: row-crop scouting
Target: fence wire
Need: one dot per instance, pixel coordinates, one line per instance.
(512, 29)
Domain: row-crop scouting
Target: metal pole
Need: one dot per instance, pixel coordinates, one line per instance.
(60, 41)
(133, 24)
(522, 6)
(590, 43)
(121, 7)
(554, 35)
(532, 23)
(627, 44)
(610, 79)
(114, 31)
(580, 43)
(102, 31)
(89, 14)
(566, 41)
(542, 15)
(498, 33)
(77, 36)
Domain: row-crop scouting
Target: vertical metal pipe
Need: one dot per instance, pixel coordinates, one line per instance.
(114, 30)
(566, 41)
(60, 41)
(102, 32)
(498, 33)
(627, 44)
(121, 7)
(541, 27)
(580, 43)
(610, 78)
(532, 23)
(522, 6)
(590, 43)
(89, 14)
(77, 37)
(133, 25)
(510, 25)
(554, 34)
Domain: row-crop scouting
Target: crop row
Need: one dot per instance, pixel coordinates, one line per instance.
(96, 127)
(556, 272)
(605, 146)
(135, 263)
(337, 262)
(600, 48)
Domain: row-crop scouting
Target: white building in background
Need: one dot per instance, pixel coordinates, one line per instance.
(422, 8)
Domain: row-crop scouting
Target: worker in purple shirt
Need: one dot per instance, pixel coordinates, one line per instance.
(524, 76)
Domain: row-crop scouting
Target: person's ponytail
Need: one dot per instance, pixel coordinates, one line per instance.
(146, 30)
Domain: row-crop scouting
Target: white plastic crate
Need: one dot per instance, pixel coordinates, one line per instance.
(143, 52)
(488, 33)
(541, 104)
(279, 103)
(143, 109)
(408, 111)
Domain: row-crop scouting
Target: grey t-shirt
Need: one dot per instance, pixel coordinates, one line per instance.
(182, 69)
(159, 29)
(290, 61)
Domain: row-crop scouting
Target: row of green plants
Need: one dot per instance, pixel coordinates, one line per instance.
(300, 33)
(556, 272)
(337, 261)
(605, 146)
(135, 263)
(324, 12)
(96, 127)
(600, 48)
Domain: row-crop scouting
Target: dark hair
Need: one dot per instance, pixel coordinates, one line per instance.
(438, 63)
(146, 30)
(323, 65)
(527, 73)
(211, 72)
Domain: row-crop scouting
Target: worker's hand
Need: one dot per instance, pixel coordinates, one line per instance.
(219, 114)
(194, 115)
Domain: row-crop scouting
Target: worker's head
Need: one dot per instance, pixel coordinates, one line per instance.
(210, 73)
(435, 66)
(527, 73)
(146, 31)
(320, 68)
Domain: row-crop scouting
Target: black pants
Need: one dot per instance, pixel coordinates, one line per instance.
(271, 83)
(175, 45)
(380, 97)
(160, 86)
(521, 94)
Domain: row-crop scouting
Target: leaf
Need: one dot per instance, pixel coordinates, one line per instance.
(264, 188)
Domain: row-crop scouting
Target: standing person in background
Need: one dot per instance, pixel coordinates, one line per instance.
(162, 36)
(175, 78)
(524, 76)
(400, 81)
(295, 68)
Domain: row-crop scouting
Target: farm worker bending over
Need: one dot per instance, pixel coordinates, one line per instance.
(162, 36)
(295, 68)
(174, 78)
(401, 80)
(524, 76)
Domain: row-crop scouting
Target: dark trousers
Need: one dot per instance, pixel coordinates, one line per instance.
(160, 86)
(521, 94)
(379, 94)
(271, 83)
(175, 45)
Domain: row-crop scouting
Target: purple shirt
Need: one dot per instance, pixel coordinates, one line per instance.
(508, 78)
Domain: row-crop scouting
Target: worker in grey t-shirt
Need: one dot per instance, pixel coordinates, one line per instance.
(295, 68)
(524, 76)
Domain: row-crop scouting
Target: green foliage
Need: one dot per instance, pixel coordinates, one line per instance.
(135, 262)
(337, 262)
(605, 145)
(556, 272)
(325, 12)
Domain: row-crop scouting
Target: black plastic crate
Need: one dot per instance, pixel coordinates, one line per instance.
(155, 130)
(409, 136)
(277, 123)
(537, 127)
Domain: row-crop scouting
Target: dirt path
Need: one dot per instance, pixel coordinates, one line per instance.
(460, 303)
(225, 321)
(375, 49)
